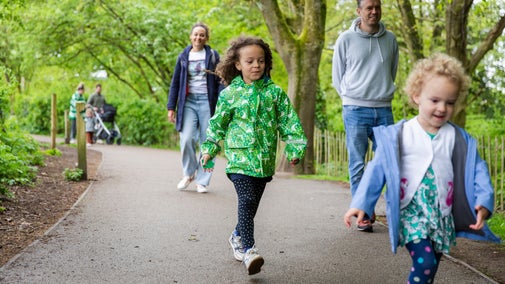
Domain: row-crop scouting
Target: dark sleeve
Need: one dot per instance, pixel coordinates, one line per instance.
(173, 94)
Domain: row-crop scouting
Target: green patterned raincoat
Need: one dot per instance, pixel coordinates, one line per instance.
(249, 118)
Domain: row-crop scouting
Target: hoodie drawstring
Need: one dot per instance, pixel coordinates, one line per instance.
(380, 52)
(378, 45)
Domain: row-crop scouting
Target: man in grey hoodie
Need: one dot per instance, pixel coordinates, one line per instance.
(365, 61)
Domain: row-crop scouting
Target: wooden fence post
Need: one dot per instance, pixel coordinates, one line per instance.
(54, 116)
(81, 140)
(67, 127)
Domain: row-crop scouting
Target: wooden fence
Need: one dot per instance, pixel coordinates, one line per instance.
(330, 156)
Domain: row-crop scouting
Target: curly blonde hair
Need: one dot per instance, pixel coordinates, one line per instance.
(438, 64)
(226, 68)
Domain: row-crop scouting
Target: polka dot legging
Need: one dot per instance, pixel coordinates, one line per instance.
(425, 261)
(249, 192)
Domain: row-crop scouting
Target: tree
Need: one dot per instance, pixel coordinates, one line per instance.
(136, 43)
(457, 34)
(298, 34)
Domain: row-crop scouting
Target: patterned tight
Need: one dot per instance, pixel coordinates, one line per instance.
(425, 261)
(249, 192)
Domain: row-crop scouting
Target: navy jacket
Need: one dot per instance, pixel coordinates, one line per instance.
(179, 86)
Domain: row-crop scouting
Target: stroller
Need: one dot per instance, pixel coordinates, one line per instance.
(101, 130)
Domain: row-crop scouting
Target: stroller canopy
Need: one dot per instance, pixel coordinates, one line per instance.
(109, 112)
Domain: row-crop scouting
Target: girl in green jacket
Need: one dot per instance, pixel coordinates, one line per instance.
(78, 96)
(251, 113)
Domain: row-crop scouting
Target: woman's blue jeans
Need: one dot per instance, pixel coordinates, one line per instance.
(358, 123)
(195, 121)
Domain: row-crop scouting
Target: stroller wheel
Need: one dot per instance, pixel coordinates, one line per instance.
(110, 140)
(118, 141)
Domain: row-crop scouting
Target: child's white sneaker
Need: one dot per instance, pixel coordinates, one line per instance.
(237, 247)
(253, 261)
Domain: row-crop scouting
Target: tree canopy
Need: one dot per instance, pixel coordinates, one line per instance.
(50, 46)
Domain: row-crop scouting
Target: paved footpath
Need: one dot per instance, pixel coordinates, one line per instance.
(134, 226)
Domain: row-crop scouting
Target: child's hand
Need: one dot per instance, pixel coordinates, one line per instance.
(353, 212)
(482, 214)
(294, 162)
(207, 164)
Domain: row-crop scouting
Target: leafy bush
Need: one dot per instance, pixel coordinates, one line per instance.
(144, 122)
(73, 174)
(53, 152)
(19, 156)
(35, 115)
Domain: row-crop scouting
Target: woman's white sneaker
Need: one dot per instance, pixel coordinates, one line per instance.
(201, 188)
(185, 181)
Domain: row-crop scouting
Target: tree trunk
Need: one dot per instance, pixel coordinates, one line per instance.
(455, 44)
(299, 43)
(410, 33)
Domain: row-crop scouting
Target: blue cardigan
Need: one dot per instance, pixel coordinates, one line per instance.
(472, 183)
(178, 87)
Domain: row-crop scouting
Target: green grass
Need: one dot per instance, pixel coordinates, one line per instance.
(322, 177)
(497, 224)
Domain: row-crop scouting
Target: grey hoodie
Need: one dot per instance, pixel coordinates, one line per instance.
(364, 66)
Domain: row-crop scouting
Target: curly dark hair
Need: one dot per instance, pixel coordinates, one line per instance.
(226, 68)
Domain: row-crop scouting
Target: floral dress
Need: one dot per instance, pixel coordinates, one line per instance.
(422, 217)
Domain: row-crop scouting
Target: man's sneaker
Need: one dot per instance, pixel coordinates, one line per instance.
(253, 261)
(372, 219)
(185, 181)
(201, 188)
(365, 226)
(236, 246)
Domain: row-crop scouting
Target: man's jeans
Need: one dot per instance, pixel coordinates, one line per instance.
(194, 126)
(358, 123)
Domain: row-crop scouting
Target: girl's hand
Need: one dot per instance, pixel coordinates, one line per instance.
(353, 212)
(482, 214)
(294, 162)
(171, 116)
(206, 158)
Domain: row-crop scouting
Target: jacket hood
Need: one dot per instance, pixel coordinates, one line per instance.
(382, 31)
(355, 28)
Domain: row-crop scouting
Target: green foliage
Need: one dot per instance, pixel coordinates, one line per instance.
(73, 174)
(36, 114)
(53, 152)
(19, 156)
(144, 122)
(57, 44)
(497, 224)
(6, 89)
(479, 125)
(19, 153)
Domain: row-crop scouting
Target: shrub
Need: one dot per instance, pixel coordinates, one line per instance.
(53, 152)
(73, 174)
(19, 158)
(144, 122)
